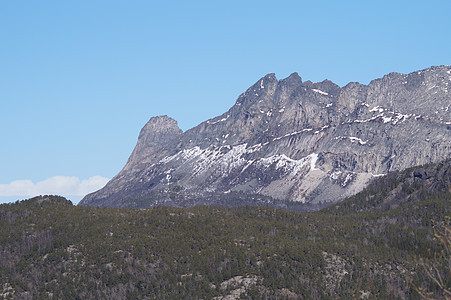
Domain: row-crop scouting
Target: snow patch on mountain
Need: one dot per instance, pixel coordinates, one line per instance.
(320, 92)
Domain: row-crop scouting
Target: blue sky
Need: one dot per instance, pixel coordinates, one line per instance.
(78, 79)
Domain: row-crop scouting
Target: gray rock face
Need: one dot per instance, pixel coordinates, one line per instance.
(158, 133)
(288, 141)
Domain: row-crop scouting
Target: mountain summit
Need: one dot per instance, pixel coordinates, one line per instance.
(288, 141)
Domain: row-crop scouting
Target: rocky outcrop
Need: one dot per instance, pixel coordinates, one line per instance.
(288, 141)
(158, 133)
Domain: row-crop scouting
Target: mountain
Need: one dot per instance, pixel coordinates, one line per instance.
(378, 244)
(288, 142)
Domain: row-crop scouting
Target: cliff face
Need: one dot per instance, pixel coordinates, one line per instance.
(289, 140)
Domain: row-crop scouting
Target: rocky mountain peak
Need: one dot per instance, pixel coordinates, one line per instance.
(266, 83)
(290, 141)
(158, 132)
(262, 90)
(293, 79)
(160, 126)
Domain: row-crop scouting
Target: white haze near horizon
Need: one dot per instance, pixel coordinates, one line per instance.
(70, 187)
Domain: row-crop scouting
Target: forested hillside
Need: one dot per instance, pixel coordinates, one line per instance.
(374, 245)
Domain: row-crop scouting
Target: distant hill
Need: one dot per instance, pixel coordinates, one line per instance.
(374, 245)
(287, 142)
